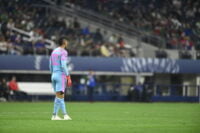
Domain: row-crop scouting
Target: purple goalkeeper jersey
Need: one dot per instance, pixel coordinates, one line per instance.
(58, 61)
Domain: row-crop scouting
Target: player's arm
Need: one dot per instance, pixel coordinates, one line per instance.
(65, 69)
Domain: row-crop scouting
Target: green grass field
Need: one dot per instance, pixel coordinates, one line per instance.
(101, 118)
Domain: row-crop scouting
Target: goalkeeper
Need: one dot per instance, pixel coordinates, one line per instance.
(60, 77)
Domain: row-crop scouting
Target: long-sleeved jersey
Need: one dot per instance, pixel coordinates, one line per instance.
(58, 61)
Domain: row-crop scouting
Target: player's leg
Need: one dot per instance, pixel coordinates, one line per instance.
(56, 101)
(62, 102)
(60, 95)
(63, 108)
(63, 85)
(60, 89)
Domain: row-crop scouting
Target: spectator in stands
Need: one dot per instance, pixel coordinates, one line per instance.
(91, 83)
(105, 36)
(186, 44)
(76, 24)
(13, 86)
(112, 39)
(120, 41)
(40, 47)
(111, 49)
(104, 50)
(18, 44)
(10, 24)
(138, 91)
(97, 37)
(173, 42)
(14, 48)
(86, 30)
(131, 94)
(4, 91)
(3, 46)
(82, 85)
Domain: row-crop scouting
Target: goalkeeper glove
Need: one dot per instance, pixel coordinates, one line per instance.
(69, 81)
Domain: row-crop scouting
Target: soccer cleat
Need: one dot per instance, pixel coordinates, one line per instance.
(55, 117)
(67, 117)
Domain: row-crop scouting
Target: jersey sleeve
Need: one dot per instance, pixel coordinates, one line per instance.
(64, 63)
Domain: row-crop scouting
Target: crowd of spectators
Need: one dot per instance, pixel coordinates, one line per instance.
(40, 25)
(177, 21)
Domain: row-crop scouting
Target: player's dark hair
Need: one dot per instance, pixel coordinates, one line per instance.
(61, 39)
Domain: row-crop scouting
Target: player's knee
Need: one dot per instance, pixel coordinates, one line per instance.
(60, 94)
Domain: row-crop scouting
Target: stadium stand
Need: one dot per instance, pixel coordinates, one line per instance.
(175, 20)
(31, 19)
(22, 16)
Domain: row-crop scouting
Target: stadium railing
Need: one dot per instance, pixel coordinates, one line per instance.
(28, 36)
